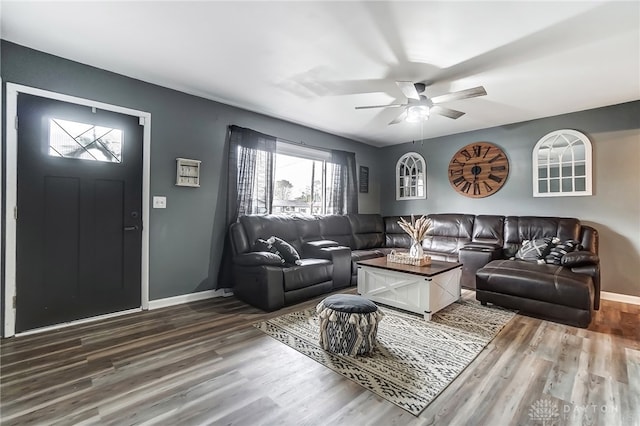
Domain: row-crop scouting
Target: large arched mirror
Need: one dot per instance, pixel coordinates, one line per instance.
(562, 165)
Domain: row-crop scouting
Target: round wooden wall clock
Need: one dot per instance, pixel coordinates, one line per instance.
(478, 170)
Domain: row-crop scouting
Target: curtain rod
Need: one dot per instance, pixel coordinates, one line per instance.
(301, 143)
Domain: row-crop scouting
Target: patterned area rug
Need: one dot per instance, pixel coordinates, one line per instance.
(413, 361)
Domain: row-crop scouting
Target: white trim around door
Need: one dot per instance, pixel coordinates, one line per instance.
(11, 189)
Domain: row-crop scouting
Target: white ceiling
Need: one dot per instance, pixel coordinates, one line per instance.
(312, 62)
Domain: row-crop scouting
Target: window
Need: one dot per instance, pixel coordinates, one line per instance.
(70, 139)
(302, 180)
(562, 165)
(411, 178)
(281, 177)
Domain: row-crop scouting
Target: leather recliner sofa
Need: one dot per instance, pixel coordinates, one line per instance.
(261, 279)
(330, 246)
(568, 292)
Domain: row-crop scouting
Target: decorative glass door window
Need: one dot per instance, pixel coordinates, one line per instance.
(562, 165)
(70, 139)
(411, 178)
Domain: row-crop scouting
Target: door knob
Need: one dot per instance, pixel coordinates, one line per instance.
(131, 228)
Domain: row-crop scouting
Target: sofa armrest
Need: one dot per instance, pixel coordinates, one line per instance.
(341, 259)
(587, 263)
(258, 258)
(260, 286)
(474, 256)
(579, 258)
(340, 256)
(313, 249)
(478, 246)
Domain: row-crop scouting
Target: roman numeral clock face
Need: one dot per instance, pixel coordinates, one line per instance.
(478, 170)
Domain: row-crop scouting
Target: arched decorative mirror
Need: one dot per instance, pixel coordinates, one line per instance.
(562, 165)
(411, 177)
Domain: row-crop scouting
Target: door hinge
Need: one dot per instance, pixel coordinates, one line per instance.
(15, 212)
(14, 302)
(141, 121)
(16, 123)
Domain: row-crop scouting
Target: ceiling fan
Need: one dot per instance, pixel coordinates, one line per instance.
(419, 106)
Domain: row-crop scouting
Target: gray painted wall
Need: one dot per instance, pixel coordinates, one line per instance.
(614, 209)
(186, 239)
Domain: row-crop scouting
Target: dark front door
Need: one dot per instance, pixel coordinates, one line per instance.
(79, 212)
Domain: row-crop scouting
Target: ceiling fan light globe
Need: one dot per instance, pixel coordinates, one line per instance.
(417, 113)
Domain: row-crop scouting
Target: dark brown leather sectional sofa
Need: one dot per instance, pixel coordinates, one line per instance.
(330, 246)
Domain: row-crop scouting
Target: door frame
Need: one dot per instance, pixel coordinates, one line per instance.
(11, 190)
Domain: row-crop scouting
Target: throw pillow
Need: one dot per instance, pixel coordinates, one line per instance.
(262, 245)
(555, 255)
(286, 250)
(532, 250)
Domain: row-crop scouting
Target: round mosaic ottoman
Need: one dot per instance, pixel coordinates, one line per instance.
(348, 324)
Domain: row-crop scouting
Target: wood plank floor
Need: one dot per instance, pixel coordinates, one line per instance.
(203, 363)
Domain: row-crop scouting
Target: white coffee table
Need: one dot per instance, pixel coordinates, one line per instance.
(420, 289)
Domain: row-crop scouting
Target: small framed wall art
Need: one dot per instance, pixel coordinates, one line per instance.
(188, 172)
(363, 179)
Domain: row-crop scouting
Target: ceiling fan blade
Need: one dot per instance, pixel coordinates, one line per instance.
(409, 89)
(381, 106)
(447, 112)
(462, 94)
(399, 118)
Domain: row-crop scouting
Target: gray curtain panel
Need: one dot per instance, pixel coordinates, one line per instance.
(251, 156)
(250, 184)
(344, 184)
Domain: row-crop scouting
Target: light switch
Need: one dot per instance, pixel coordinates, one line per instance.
(159, 202)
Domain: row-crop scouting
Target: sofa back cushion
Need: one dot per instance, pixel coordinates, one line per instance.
(308, 228)
(367, 230)
(520, 228)
(488, 229)
(448, 233)
(336, 228)
(395, 236)
(265, 226)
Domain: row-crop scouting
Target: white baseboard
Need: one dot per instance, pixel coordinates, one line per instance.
(617, 297)
(77, 322)
(191, 297)
(153, 304)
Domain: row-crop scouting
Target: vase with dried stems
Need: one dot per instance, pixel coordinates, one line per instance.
(417, 230)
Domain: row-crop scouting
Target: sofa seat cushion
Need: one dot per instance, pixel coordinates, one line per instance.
(387, 250)
(358, 255)
(547, 283)
(307, 273)
(445, 257)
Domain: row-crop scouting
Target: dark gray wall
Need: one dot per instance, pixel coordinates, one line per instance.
(186, 239)
(614, 209)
